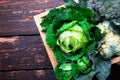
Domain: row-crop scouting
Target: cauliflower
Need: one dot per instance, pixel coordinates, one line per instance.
(110, 45)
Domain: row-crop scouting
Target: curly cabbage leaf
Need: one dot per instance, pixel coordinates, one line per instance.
(49, 18)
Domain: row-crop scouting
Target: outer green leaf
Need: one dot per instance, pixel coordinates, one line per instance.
(86, 12)
(50, 37)
(96, 33)
(59, 55)
(67, 15)
(57, 72)
(51, 15)
(75, 56)
(86, 28)
(90, 46)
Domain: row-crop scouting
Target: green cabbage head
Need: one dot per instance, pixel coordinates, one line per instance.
(71, 38)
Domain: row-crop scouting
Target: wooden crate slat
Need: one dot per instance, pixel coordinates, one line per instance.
(116, 60)
(43, 36)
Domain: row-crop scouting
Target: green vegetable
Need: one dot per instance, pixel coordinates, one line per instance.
(66, 71)
(73, 16)
(100, 68)
(71, 39)
(72, 35)
(84, 65)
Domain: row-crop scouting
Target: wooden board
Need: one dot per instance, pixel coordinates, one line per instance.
(16, 16)
(23, 52)
(28, 75)
(38, 19)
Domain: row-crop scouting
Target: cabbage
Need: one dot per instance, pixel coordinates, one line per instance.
(72, 35)
(72, 39)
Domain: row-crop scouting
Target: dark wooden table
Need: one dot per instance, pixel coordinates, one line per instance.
(22, 53)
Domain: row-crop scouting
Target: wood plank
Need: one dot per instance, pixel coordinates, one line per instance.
(46, 74)
(38, 18)
(28, 75)
(23, 52)
(16, 16)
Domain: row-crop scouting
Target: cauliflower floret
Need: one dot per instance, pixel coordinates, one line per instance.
(111, 44)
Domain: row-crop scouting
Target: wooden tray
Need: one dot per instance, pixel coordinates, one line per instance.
(50, 53)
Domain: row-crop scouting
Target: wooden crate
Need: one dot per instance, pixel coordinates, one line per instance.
(50, 53)
(38, 18)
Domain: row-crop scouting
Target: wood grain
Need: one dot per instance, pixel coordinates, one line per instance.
(28, 75)
(23, 52)
(16, 15)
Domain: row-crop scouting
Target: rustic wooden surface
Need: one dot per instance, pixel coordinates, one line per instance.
(22, 53)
